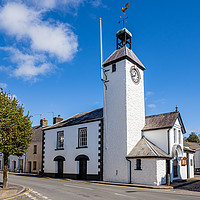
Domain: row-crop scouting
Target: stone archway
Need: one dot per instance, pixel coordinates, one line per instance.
(59, 173)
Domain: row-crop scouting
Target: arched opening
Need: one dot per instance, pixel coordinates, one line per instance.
(177, 153)
(59, 160)
(175, 165)
(82, 166)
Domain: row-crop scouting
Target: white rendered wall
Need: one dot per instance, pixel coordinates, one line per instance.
(161, 171)
(158, 137)
(71, 151)
(176, 126)
(124, 119)
(11, 163)
(148, 173)
(191, 165)
(197, 159)
(183, 169)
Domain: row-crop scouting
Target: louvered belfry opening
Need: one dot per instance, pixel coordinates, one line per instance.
(123, 38)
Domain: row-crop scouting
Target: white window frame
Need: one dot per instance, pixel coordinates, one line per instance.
(180, 136)
(82, 137)
(60, 140)
(175, 135)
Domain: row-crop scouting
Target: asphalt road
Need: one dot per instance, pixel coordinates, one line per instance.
(54, 189)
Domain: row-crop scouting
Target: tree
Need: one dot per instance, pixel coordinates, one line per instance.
(15, 130)
(193, 138)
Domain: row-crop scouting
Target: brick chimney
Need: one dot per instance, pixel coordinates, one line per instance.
(43, 122)
(57, 119)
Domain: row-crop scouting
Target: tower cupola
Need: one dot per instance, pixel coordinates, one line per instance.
(123, 38)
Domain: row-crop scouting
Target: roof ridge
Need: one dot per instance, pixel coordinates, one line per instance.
(162, 114)
(149, 144)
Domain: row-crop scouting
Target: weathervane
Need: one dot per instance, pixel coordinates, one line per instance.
(123, 10)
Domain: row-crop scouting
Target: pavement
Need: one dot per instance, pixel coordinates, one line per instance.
(190, 184)
(12, 191)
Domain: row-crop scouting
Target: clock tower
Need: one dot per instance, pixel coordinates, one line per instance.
(124, 112)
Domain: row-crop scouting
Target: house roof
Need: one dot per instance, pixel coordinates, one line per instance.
(146, 149)
(153, 122)
(162, 121)
(191, 145)
(188, 149)
(79, 118)
(37, 133)
(120, 54)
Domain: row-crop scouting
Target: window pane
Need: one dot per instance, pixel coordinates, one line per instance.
(82, 134)
(60, 139)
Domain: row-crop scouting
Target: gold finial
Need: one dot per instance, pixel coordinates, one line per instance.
(124, 9)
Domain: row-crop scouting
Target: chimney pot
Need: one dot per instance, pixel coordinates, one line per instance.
(43, 122)
(57, 119)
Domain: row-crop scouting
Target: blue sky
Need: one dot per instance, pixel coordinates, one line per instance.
(50, 54)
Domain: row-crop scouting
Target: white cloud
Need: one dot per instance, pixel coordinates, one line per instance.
(28, 66)
(149, 93)
(43, 39)
(3, 85)
(50, 4)
(97, 3)
(151, 106)
(21, 21)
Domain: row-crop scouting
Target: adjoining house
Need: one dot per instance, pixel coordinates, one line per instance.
(15, 163)
(75, 144)
(118, 143)
(34, 153)
(31, 162)
(196, 148)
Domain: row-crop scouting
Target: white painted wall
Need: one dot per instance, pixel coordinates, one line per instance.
(70, 151)
(177, 127)
(191, 165)
(197, 159)
(148, 173)
(124, 119)
(183, 169)
(161, 171)
(11, 163)
(158, 137)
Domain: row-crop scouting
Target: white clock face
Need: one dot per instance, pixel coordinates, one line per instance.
(135, 74)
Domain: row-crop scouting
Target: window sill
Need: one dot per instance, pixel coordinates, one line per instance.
(138, 169)
(59, 149)
(82, 147)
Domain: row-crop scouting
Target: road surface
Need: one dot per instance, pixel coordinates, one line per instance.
(56, 189)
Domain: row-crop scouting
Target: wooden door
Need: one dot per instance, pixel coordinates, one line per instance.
(83, 169)
(60, 169)
(29, 167)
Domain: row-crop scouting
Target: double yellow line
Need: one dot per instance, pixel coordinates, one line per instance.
(23, 193)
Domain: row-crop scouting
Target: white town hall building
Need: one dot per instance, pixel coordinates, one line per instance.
(118, 143)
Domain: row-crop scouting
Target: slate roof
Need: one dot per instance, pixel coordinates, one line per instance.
(188, 149)
(79, 118)
(123, 53)
(191, 145)
(162, 121)
(145, 149)
(37, 134)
